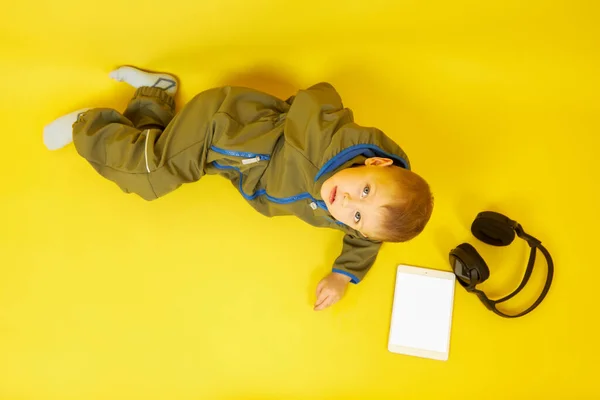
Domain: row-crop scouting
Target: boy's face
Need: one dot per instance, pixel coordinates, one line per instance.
(355, 196)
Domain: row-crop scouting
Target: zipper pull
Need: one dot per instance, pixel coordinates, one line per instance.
(253, 160)
(313, 205)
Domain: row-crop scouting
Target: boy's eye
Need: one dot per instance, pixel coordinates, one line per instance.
(366, 191)
(357, 217)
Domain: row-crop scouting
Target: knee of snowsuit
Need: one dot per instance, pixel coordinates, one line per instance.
(138, 150)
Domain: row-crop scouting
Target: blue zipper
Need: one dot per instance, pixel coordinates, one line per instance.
(263, 192)
(262, 157)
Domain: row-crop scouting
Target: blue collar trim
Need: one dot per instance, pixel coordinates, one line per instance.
(367, 150)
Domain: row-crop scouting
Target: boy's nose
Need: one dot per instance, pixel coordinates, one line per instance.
(347, 200)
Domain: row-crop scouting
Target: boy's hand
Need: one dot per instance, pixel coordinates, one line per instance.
(330, 290)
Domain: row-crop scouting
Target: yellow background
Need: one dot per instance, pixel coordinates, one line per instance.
(196, 296)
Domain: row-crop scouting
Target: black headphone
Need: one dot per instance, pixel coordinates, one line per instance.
(470, 269)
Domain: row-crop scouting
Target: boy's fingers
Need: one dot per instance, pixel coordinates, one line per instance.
(321, 297)
(322, 301)
(334, 299)
(320, 287)
(330, 300)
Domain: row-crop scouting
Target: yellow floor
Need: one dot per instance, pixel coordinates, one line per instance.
(196, 296)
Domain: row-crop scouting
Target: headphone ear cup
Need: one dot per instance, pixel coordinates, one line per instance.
(493, 228)
(473, 261)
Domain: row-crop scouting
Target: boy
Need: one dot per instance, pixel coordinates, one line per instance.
(304, 156)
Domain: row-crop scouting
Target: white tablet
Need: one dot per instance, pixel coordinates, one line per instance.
(422, 313)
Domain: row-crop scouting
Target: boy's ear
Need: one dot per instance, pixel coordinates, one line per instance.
(378, 162)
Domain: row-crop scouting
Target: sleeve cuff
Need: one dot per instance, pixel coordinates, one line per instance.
(352, 277)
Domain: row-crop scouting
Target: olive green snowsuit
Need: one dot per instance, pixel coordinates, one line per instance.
(277, 153)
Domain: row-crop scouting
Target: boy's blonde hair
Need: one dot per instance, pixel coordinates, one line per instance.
(407, 217)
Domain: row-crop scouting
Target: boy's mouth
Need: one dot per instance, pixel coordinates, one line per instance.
(332, 195)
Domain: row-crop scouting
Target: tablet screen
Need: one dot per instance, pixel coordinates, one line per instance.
(422, 312)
